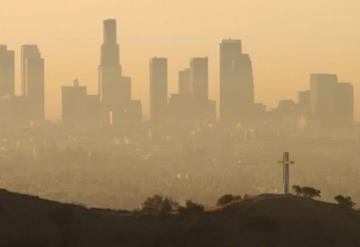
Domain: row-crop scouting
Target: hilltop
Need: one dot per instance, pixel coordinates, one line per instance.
(265, 220)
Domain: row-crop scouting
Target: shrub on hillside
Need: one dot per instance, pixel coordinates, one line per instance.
(344, 201)
(191, 208)
(158, 204)
(297, 189)
(306, 191)
(310, 192)
(227, 199)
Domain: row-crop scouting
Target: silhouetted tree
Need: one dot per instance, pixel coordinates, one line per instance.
(226, 199)
(158, 204)
(310, 192)
(298, 190)
(344, 201)
(191, 208)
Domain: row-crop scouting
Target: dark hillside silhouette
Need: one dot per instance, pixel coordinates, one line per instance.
(265, 220)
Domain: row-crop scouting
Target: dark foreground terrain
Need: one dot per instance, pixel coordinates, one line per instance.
(263, 221)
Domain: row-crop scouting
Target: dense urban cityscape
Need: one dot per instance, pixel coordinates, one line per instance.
(103, 152)
(328, 104)
(179, 123)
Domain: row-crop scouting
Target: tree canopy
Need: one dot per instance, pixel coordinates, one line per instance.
(344, 201)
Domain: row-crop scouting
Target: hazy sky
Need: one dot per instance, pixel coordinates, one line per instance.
(286, 39)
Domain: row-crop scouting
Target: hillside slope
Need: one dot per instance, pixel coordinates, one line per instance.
(266, 220)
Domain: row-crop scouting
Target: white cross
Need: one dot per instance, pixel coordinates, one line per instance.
(286, 162)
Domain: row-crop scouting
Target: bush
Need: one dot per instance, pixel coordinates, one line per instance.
(309, 192)
(158, 204)
(227, 199)
(298, 190)
(344, 201)
(191, 208)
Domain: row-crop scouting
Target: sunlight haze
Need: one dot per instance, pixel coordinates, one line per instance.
(287, 40)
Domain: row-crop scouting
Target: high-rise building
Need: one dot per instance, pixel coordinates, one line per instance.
(185, 86)
(236, 83)
(192, 106)
(304, 102)
(110, 68)
(243, 74)
(199, 77)
(158, 89)
(344, 96)
(331, 102)
(322, 87)
(7, 72)
(181, 107)
(110, 48)
(33, 82)
(230, 50)
(114, 88)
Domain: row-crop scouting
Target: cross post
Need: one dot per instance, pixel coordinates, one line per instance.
(286, 162)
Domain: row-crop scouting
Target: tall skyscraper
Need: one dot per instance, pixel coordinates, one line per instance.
(236, 83)
(33, 82)
(199, 77)
(158, 89)
(243, 74)
(345, 103)
(192, 106)
(331, 102)
(110, 68)
(322, 87)
(185, 86)
(7, 72)
(230, 50)
(110, 48)
(205, 109)
(304, 102)
(114, 88)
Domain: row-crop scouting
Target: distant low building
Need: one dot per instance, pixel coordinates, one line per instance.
(79, 108)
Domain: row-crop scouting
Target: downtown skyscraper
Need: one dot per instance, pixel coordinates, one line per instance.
(7, 72)
(33, 82)
(205, 109)
(199, 77)
(191, 106)
(114, 88)
(185, 87)
(110, 72)
(331, 102)
(158, 89)
(236, 83)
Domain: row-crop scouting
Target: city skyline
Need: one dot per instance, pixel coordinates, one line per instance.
(277, 74)
(179, 123)
(328, 104)
(113, 103)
